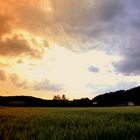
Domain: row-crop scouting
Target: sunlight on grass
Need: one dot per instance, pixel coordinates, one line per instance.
(70, 123)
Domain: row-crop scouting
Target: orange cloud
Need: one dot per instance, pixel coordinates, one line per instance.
(16, 46)
(17, 81)
(13, 15)
(4, 25)
(3, 76)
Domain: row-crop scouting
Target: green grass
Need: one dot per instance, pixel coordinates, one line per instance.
(114, 123)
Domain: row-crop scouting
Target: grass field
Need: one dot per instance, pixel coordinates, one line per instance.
(114, 123)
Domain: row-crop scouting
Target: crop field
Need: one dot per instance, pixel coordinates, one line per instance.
(114, 123)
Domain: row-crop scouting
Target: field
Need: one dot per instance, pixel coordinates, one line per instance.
(113, 123)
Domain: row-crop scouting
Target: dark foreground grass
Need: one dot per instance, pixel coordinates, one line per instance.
(70, 123)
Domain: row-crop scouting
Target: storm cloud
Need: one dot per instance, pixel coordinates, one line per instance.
(110, 26)
(130, 64)
(88, 22)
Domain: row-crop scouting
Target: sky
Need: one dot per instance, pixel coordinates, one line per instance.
(80, 48)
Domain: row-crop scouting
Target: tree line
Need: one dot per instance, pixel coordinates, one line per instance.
(57, 101)
(118, 98)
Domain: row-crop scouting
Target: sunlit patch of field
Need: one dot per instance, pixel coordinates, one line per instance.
(114, 123)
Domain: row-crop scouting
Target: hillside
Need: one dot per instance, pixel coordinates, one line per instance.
(21, 101)
(118, 98)
(122, 97)
(28, 101)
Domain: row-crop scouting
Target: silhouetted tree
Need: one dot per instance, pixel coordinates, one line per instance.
(117, 98)
(64, 97)
(57, 97)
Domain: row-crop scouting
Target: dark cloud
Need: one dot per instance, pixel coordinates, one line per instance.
(128, 36)
(87, 20)
(46, 85)
(136, 3)
(3, 76)
(86, 12)
(109, 25)
(130, 52)
(130, 64)
(111, 9)
(93, 69)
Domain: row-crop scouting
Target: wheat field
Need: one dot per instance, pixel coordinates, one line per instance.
(114, 123)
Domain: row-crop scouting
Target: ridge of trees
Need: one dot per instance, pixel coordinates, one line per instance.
(118, 98)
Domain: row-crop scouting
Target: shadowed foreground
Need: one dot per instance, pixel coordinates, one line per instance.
(114, 123)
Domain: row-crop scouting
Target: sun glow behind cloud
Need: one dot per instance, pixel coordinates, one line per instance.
(79, 48)
(68, 68)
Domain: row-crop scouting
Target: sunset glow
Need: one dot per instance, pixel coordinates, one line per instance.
(78, 48)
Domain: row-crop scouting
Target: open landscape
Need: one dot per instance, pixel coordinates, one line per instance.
(117, 123)
(69, 69)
